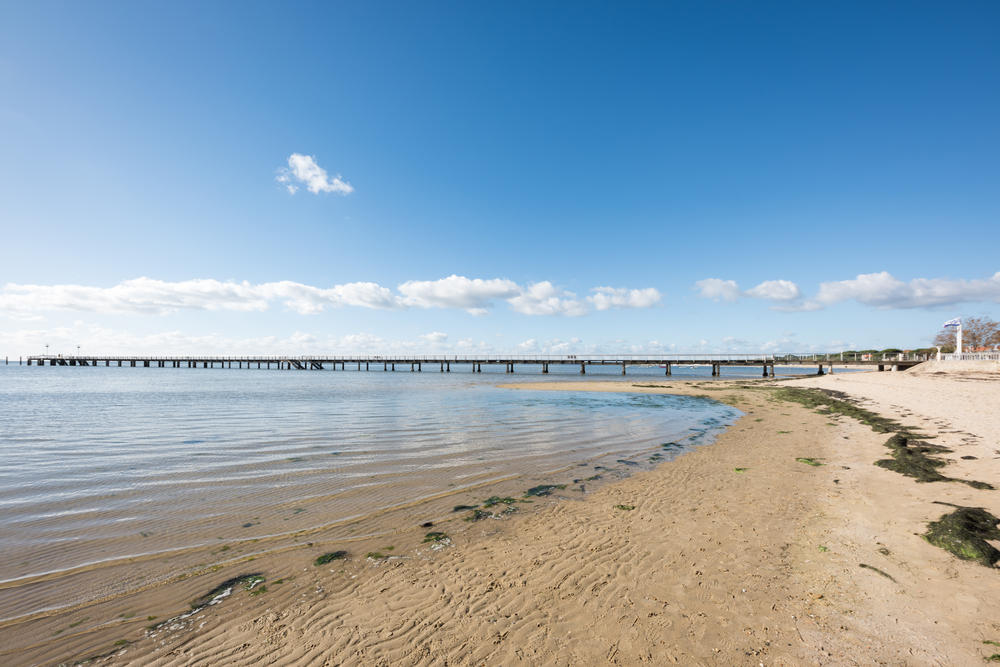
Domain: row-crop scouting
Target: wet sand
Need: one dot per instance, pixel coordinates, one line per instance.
(735, 553)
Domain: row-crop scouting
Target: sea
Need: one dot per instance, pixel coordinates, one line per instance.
(115, 479)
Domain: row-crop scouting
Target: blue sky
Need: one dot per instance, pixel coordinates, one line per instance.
(744, 177)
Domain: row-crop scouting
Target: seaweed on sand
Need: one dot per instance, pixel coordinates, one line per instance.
(435, 536)
(834, 402)
(248, 581)
(964, 533)
(479, 515)
(497, 500)
(330, 557)
(543, 489)
(910, 458)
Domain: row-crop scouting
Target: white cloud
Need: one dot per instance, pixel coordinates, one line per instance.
(879, 290)
(472, 295)
(882, 290)
(303, 168)
(543, 298)
(159, 297)
(776, 290)
(717, 289)
(434, 337)
(605, 298)
(146, 295)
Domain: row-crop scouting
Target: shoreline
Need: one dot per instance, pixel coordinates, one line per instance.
(736, 553)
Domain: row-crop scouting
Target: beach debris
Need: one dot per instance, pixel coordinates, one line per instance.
(823, 549)
(462, 508)
(964, 533)
(627, 462)
(910, 457)
(427, 524)
(627, 508)
(877, 571)
(330, 557)
(809, 461)
(544, 489)
(740, 469)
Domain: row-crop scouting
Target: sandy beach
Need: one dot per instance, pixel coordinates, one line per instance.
(779, 544)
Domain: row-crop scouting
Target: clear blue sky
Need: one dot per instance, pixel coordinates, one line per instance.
(642, 147)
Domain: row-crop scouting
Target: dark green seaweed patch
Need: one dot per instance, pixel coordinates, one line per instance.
(808, 461)
(740, 469)
(627, 508)
(248, 581)
(427, 524)
(435, 536)
(462, 508)
(910, 458)
(330, 557)
(543, 489)
(258, 590)
(877, 571)
(479, 515)
(909, 455)
(835, 402)
(964, 533)
(497, 500)
(627, 462)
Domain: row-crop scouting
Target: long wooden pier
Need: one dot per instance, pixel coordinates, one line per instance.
(475, 363)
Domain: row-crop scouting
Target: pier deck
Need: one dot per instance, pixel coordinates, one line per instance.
(475, 363)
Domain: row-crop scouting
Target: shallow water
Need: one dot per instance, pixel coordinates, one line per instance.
(102, 465)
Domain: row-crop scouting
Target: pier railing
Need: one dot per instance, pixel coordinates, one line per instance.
(972, 356)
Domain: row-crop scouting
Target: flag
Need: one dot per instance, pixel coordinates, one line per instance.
(957, 322)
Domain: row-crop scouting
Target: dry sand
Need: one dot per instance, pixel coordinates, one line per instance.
(713, 566)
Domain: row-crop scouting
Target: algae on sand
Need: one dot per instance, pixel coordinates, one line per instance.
(329, 557)
(964, 533)
(910, 458)
(248, 582)
(809, 461)
(543, 489)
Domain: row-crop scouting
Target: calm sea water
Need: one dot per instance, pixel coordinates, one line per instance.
(101, 465)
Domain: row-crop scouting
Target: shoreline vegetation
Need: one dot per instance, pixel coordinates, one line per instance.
(816, 529)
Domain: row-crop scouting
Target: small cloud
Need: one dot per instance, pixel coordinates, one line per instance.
(544, 298)
(776, 290)
(434, 337)
(605, 298)
(473, 295)
(304, 169)
(717, 289)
